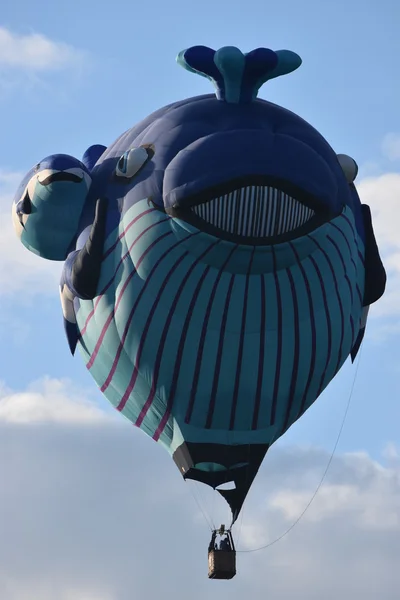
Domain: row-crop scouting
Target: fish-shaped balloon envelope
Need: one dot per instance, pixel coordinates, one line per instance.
(219, 266)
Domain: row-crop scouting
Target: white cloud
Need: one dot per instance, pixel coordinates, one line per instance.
(49, 400)
(94, 510)
(36, 52)
(382, 194)
(391, 146)
(372, 508)
(21, 272)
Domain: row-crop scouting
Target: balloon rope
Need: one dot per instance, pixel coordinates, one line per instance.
(243, 508)
(206, 504)
(209, 523)
(293, 525)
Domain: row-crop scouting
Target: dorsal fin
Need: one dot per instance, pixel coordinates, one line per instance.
(92, 155)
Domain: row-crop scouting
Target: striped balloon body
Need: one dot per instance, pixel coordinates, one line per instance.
(199, 339)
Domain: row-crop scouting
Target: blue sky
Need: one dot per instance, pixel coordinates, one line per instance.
(76, 74)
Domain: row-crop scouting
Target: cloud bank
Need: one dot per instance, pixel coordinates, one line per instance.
(93, 509)
(50, 400)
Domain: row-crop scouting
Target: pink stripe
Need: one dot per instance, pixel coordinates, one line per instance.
(112, 248)
(132, 381)
(127, 326)
(83, 330)
(103, 291)
(160, 350)
(111, 315)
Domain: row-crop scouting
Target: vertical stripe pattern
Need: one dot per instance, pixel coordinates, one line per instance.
(187, 350)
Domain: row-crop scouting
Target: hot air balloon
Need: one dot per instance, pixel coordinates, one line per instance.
(219, 267)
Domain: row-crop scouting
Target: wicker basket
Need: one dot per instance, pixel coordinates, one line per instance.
(221, 564)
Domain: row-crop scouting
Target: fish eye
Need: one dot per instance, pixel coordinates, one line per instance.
(349, 167)
(132, 161)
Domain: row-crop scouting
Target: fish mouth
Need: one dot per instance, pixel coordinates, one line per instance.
(254, 214)
(61, 176)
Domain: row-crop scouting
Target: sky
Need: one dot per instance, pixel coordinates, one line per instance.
(91, 509)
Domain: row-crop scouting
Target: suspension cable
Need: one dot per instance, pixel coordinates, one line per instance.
(293, 525)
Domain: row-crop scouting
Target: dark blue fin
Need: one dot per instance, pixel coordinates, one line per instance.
(24, 206)
(357, 344)
(85, 268)
(92, 155)
(71, 331)
(375, 274)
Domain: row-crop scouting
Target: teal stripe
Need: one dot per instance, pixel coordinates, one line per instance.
(334, 314)
(229, 355)
(190, 355)
(249, 373)
(270, 355)
(131, 293)
(175, 330)
(321, 331)
(287, 346)
(338, 349)
(218, 436)
(305, 341)
(152, 340)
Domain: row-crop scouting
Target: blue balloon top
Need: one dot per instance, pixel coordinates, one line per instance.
(237, 77)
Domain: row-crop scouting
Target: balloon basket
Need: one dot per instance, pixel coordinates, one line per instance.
(222, 560)
(221, 564)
